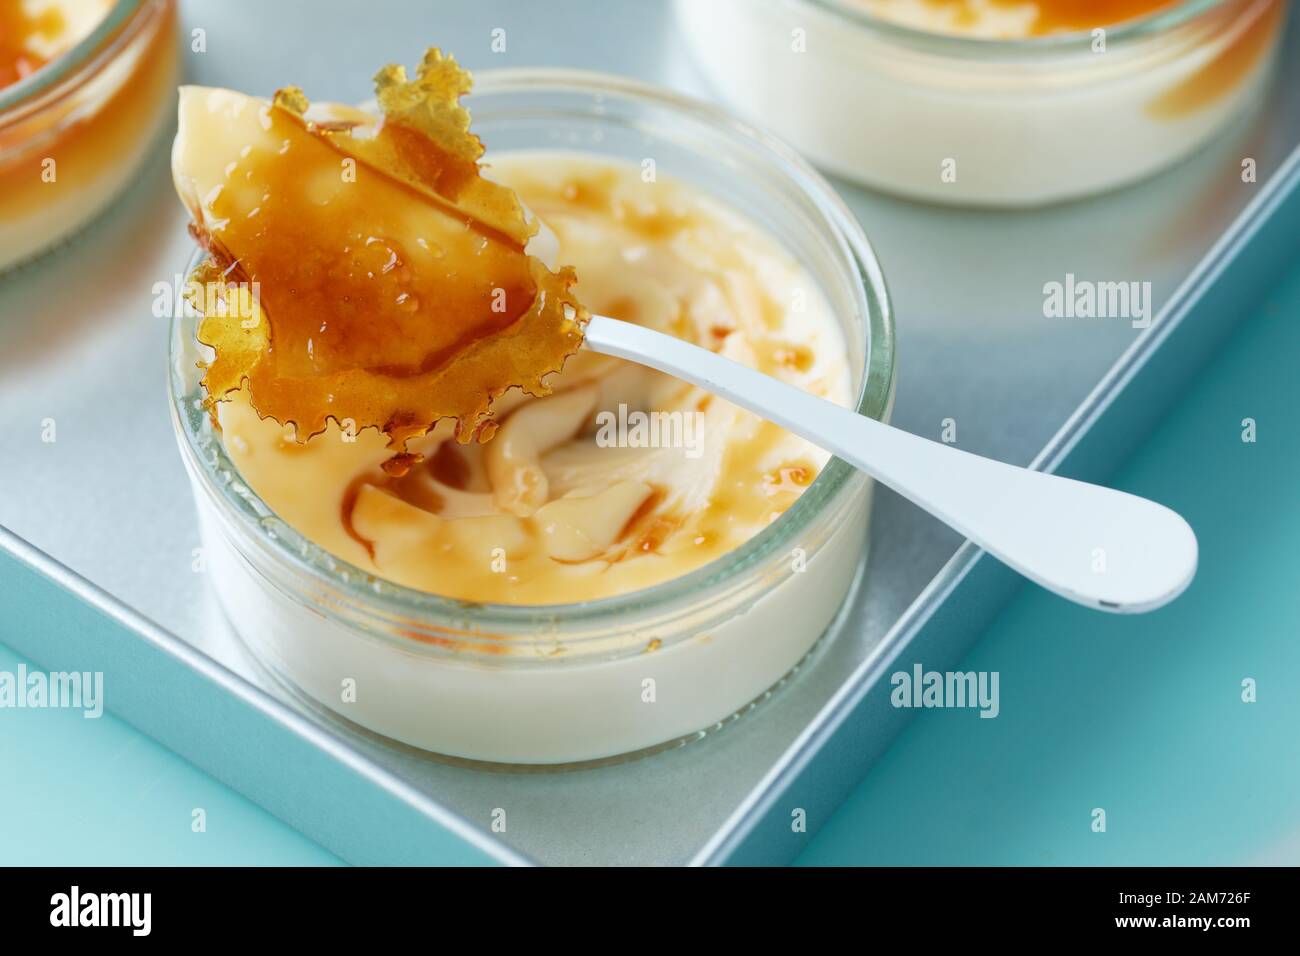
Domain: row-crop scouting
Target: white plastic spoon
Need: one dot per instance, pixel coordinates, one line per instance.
(1096, 546)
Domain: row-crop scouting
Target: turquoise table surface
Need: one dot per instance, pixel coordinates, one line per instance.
(1143, 717)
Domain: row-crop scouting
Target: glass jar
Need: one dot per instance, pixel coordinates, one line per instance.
(73, 132)
(985, 122)
(569, 683)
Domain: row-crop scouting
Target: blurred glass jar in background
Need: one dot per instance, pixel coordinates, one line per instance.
(85, 88)
(949, 114)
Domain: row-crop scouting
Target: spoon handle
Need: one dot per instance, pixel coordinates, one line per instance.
(1102, 548)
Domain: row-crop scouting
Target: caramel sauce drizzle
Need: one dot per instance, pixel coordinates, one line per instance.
(347, 505)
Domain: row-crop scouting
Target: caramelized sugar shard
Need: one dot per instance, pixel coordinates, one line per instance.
(391, 287)
(237, 345)
(426, 140)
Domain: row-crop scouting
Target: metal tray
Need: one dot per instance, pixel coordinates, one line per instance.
(96, 564)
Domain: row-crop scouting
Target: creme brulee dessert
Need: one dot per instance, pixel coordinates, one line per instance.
(382, 406)
(988, 102)
(79, 114)
(411, 482)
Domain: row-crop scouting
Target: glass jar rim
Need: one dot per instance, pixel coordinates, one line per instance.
(1127, 31)
(91, 52)
(874, 399)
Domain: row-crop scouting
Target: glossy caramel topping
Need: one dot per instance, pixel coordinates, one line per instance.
(391, 282)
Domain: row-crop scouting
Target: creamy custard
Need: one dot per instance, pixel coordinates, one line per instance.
(622, 478)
